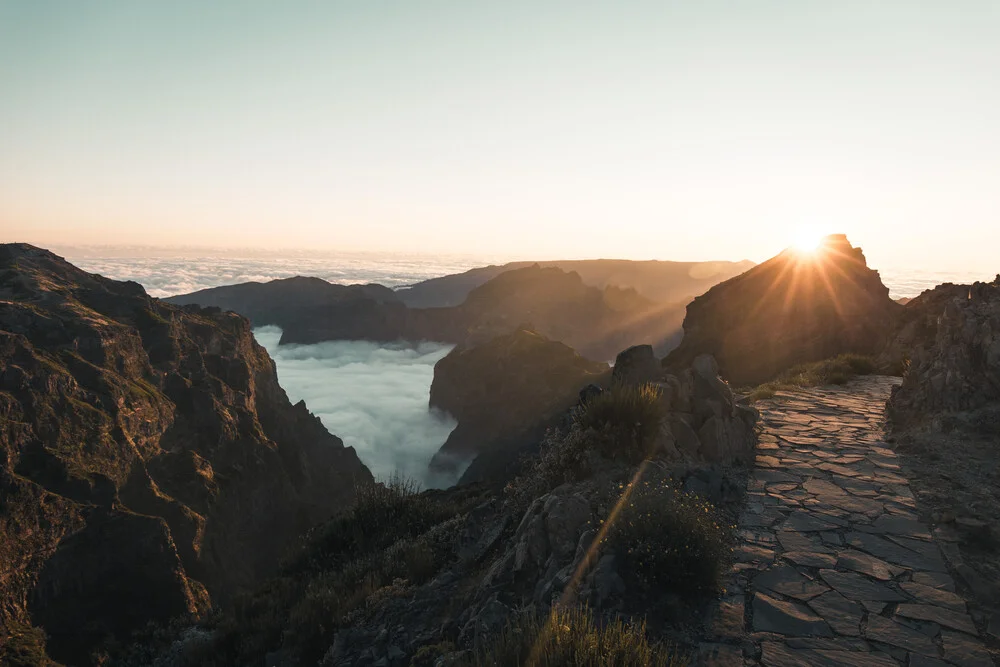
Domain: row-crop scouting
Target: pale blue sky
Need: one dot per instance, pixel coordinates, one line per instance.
(672, 130)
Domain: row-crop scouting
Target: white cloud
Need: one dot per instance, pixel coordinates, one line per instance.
(373, 396)
(169, 276)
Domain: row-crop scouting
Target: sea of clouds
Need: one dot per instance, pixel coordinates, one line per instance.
(373, 396)
(169, 276)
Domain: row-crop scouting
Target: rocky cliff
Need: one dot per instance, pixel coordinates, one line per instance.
(149, 461)
(597, 322)
(504, 393)
(949, 340)
(797, 307)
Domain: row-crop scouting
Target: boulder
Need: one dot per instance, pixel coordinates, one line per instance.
(636, 365)
(795, 308)
(704, 423)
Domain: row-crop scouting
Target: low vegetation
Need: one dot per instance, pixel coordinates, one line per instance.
(393, 539)
(632, 414)
(668, 541)
(23, 646)
(570, 637)
(836, 370)
(563, 457)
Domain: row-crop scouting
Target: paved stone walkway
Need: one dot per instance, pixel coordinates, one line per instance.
(833, 566)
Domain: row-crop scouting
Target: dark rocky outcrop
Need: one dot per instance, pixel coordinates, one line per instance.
(949, 339)
(795, 308)
(504, 393)
(704, 423)
(666, 282)
(149, 460)
(597, 322)
(636, 365)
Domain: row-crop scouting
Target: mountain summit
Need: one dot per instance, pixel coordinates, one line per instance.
(797, 307)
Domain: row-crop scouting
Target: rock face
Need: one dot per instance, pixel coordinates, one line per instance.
(149, 461)
(797, 307)
(951, 337)
(704, 423)
(598, 322)
(504, 392)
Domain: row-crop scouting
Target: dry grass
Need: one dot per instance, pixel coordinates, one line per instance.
(836, 370)
(631, 413)
(571, 638)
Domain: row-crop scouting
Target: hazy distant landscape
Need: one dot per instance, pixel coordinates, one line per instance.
(168, 276)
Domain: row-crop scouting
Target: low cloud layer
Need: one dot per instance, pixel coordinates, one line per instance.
(169, 276)
(373, 396)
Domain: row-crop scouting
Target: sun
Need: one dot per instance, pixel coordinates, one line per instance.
(808, 240)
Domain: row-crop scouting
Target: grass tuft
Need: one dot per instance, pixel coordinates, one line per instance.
(393, 538)
(570, 637)
(631, 413)
(836, 370)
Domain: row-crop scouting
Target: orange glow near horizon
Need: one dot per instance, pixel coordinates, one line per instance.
(808, 239)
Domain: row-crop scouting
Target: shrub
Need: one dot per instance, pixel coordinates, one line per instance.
(569, 637)
(427, 655)
(563, 457)
(631, 413)
(382, 515)
(392, 539)
(22, 645)
(667, 540)
(836, 370)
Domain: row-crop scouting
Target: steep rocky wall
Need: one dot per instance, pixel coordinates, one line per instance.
(949, 338)
(149, 460)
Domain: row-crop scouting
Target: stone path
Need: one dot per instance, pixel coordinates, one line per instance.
(833, 566)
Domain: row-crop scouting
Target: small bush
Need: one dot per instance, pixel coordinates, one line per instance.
(428, 654)
(392, 539)
(668, 540)
(571, 638)
(632, 413)
(563, 457)
(836, 370)
(23, 646)
(382, 514)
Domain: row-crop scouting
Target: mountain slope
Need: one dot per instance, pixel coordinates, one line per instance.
(662, 281)
(596, 322)
(149, 461)
(794, 308)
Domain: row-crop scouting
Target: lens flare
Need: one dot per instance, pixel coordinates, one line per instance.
(808, 240)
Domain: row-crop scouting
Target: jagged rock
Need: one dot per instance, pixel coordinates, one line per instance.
(636, 365)
(705, 424)
(487, 622)
(147, 455)
(792, 309)
(951, 337)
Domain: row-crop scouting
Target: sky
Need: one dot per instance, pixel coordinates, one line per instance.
(526, 129)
